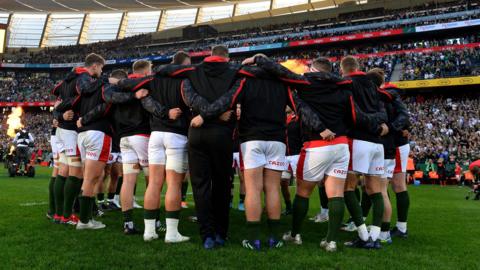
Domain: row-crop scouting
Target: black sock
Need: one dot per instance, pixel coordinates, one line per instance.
(100, 196)
(119, 185)
(300, 209)
(323, 197)
(128, 216)
(110, 196)
(242, 198)
(59, 194)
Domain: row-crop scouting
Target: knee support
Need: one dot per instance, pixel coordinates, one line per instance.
(74, 162)
(129, 168)
(62, 158)
(145, 171)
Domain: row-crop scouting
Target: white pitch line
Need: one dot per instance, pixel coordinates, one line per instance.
(33, 203)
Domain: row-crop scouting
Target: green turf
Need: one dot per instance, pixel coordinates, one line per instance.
(443, 235)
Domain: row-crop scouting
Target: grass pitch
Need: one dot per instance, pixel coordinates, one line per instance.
(443, 234)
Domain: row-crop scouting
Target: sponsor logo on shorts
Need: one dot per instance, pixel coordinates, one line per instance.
(341, 172)
(110, 158)
(91, 154)
(378, 169)
(277, 163)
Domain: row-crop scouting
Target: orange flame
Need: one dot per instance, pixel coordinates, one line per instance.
(296, 65)
(14, 121)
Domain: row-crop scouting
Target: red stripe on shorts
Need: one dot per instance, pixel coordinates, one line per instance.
(105, 153)
(398, 161)
(350, 147)
(300, 164)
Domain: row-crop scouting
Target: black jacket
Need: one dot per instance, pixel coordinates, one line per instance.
(165, 94)
(399, 118)
(294, 135)
(92, 101)
(330, 98)
(66, 91)
(263, 100)
(128, 114)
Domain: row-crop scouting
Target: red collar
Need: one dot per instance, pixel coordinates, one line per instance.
(135, 76)
(216, 59)
(389, 86)
(357, 73)
(80, 70)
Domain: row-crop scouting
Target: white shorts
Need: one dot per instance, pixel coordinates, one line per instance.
(236, 161)
(135, 149)
(267, 154)
(332, 160)
(54, 144)
(94, 145)
(389, 168)
(169, 149)
(292, 167)
(67, 142)
(367, 158)
(114, 158)
(401, 158)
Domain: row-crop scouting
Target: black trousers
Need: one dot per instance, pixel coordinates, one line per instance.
(210, 161)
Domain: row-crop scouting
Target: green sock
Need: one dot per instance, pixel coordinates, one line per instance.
(300, 209)
(72, 188)
(253, 228)
(128, 215)
(403, 203)
(323, 197)
(119, 185)
(274, 228)
(357, 193)
(184, 190)
(385, 227)
(377, 205)
(150, 214)
(336, 210)
(84, 208)
(51, 196)
(172, 214)
(366, 204)
(353, 207)
(59, 194)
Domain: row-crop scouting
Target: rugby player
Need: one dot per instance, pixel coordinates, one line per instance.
(70, 175)
(397, 121)
(367, 157)
(324, 156)
(167, 149)
(133, 128)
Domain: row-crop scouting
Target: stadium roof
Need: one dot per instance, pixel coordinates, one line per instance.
(51, 6)
(44, 23)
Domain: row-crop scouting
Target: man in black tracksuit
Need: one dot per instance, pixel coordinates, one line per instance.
(210, 150)
(262, 133)
(329, 96)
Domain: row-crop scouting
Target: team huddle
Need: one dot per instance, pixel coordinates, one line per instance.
(323, 129)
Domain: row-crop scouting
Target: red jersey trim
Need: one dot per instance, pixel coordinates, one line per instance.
(80, 70)
(180, 71)
(237, 92)
(216, 59)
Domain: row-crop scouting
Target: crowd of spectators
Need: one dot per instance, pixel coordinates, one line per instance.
(444, 64)
(143, 45)
(22, 87)
(445, 135)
